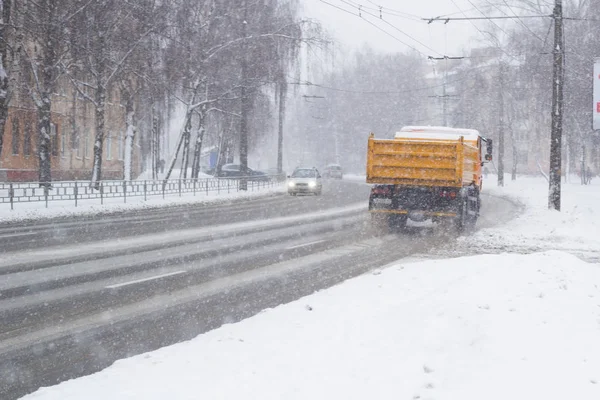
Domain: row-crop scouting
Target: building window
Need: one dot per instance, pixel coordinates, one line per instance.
(121, 146)
(86, 144)
(27, 141)
(109, 147)
(63, 145)
(54, 139)
(16, 137)
(75, 143)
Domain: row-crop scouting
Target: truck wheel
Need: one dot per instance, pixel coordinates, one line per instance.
(460, 222)
(464, 220)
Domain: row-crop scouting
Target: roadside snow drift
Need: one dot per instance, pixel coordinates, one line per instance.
(484, 327)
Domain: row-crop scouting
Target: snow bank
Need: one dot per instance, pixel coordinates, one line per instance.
(485, 327)
(576, 228)
(37, 210)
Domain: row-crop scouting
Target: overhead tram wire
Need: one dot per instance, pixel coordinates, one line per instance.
(445, 19)
(516, 15)
(480, 31)
(416, 16)
(384, 11)
(377, 27)
(396, 28)
(492, 21)
(376, 92)
(393, 11)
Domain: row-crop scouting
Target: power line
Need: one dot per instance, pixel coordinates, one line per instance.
(395, 27)
(483, 33)
(377, 27)
(519, 19)
(418, 89)
(487, 18)
(393, 10)
(389, 12)
(492, 21)
(446, 19)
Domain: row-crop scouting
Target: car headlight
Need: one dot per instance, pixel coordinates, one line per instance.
(312, 184)
(291, 184)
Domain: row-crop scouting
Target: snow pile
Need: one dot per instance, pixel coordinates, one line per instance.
(576, 228)
(487, 327)
(37, 210)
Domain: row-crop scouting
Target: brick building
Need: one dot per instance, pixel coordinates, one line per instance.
(72, 137)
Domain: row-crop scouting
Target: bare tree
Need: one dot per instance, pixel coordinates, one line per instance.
(45, 27)
(5, 21)
(111, 32)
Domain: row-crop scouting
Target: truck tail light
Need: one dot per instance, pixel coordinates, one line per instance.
(381, 190)
(448, 194)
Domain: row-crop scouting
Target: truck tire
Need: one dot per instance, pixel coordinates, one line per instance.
(468, 211)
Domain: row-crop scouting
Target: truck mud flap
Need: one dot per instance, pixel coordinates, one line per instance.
(473, 205)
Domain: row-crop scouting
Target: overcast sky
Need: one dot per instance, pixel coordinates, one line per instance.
(434, 39)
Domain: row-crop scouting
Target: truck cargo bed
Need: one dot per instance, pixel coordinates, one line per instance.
(415, 162)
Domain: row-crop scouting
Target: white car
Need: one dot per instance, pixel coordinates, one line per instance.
(305, 180)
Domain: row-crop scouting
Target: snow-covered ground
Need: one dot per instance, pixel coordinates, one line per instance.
(521, 323)
(576, 229)
(37, 210)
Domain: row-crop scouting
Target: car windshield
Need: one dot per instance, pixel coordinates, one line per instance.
(304, 173)
(334, 167)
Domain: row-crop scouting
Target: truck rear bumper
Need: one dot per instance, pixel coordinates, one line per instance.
(406, 212)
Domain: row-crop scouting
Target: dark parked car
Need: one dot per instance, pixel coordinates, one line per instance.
(233, 171)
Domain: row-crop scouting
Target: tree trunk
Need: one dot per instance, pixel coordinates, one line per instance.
(282, 94)
(198, 147)
(5, 12)
(129, 137)
(99, 140)
(186, 124)
(3, 109)
(186, 148)
(44, 149)
(515, 150)
(515, 163)
(154, 152)
(224, 139)
(245, 105)
(501, 128)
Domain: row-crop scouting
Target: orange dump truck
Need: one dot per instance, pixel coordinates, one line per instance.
(427, 173)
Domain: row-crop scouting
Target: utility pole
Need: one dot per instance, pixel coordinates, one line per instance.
(245, 102)
(501, 126)
(557, 110)
(282, 94)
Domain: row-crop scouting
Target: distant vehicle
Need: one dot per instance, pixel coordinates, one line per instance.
(233, 171)
(333, 171)
(305, 180)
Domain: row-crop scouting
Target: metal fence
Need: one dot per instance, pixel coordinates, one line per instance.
(76, 191)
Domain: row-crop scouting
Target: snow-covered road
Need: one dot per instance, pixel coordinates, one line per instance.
(429, 326)
(80, 307)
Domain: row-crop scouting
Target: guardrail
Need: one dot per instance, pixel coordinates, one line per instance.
(76, 191)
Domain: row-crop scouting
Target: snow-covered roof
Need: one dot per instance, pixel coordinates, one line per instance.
(436, 132)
